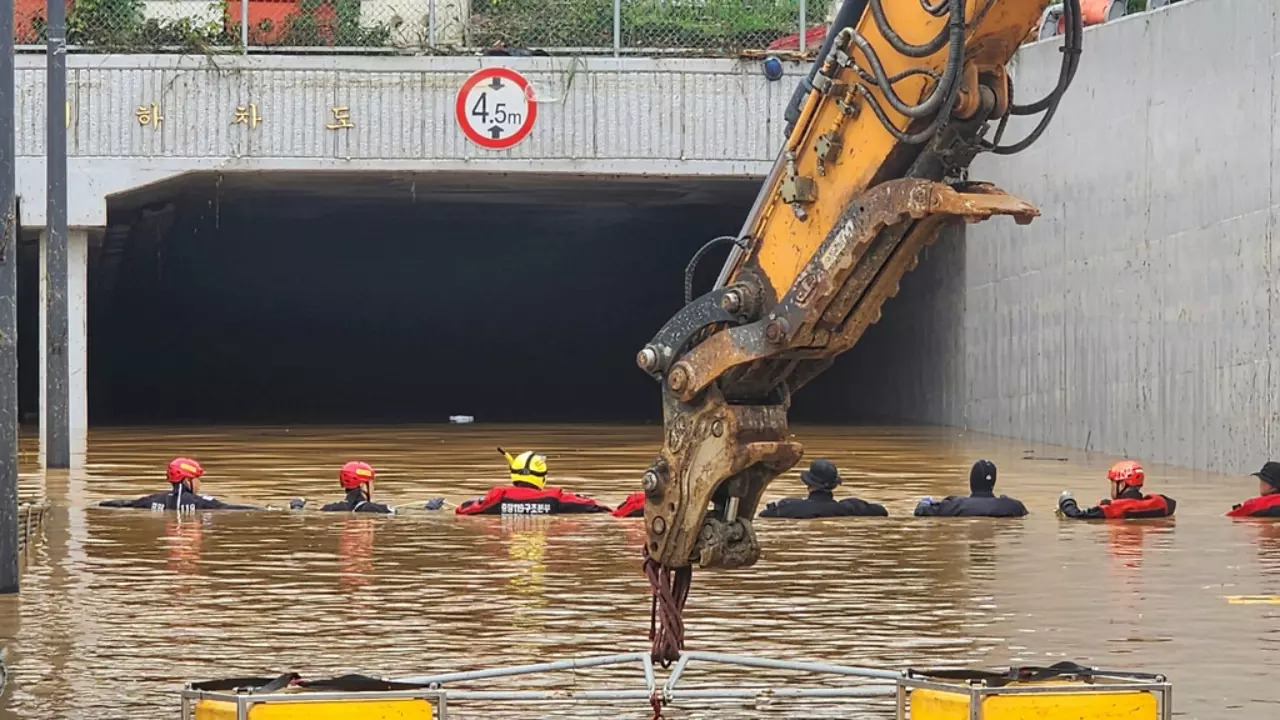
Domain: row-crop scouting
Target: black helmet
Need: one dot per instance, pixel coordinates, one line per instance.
(821, 475)
(1270, 474)
(982, 476)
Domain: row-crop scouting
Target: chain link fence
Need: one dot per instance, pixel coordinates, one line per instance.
(726, 27)
(704, 27)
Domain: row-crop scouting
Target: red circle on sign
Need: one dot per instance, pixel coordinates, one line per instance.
(460, 108)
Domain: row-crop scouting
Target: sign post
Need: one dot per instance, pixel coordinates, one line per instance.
(495, 108)
(8, 313)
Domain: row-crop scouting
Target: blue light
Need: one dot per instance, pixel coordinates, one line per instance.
(773, 68)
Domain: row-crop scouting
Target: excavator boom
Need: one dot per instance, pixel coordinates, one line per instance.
(899, 101)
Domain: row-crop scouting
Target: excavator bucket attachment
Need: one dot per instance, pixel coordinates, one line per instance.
(900, 100)
(722, 456)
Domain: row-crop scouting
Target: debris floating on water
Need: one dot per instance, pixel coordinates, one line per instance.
(461, 419)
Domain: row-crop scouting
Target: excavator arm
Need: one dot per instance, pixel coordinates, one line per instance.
(901, 98)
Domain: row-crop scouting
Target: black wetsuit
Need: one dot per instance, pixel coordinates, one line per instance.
(982, 503)
(355, 502)
(821, 503)
(178, 498)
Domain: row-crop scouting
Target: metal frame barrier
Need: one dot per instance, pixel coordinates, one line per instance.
(244, 702)
(667, 692)
(882, 684)
(1117, 684)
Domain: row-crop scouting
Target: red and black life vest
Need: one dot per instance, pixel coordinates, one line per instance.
(1147, 506)
(521, 500)
(1264, 506)
(633, 506)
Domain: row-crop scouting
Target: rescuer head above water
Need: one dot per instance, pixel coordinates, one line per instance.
(822, 478)
(981, 502)
(185, 471)
(1267, 504)
(1127, 499)
(528, 469)
(184, 475)
(528, 493)
(982, 478)
(357, 479)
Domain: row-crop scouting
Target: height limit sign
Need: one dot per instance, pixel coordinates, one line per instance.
(495, 108)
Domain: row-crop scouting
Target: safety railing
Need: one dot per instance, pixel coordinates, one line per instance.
(850, 683)
(30, 520)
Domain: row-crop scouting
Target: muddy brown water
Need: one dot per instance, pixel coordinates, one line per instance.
(120, 607)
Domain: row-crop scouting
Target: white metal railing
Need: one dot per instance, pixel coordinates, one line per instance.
(870, 684)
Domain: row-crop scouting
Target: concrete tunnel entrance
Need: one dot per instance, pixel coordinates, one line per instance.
(337, 298)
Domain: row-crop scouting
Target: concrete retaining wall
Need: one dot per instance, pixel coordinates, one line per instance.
(629, 116)
(1140, 314)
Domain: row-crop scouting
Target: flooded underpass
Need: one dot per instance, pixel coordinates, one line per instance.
(119, 608)
(234, 331)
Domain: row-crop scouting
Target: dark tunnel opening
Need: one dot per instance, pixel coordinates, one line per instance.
(328, 299)
(509, 301)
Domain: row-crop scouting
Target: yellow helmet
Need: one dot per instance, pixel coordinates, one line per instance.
(527, 467)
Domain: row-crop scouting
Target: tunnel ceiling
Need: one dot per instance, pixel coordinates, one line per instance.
(433, 187)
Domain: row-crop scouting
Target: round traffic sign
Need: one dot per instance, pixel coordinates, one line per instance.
(495, 108)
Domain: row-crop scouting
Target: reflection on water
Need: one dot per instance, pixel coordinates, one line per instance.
(120, 607)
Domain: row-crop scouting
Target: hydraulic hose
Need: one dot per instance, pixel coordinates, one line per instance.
(847, 16)
(946, 87)
(893, 79)
(935, 10)
(902, 46)
(697, 257)
(1070, 62)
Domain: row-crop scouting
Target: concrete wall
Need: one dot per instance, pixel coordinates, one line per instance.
(627, 116)
(1140, 314)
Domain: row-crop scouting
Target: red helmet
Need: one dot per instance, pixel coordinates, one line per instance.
(354, 474)
(183, 469)
(1128, 472)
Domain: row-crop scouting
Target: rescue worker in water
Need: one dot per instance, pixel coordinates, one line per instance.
(357, 479)
(982, 500)
(821, 478)
(1127, 499)
(528, 493)
(184, 493)
(1267, 504)
(633, 506)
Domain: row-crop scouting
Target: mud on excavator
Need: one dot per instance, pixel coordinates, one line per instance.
(902, 96)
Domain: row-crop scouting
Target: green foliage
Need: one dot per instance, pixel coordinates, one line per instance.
(538, 23)
(704, 24)
(121, 25)
(330, 22)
